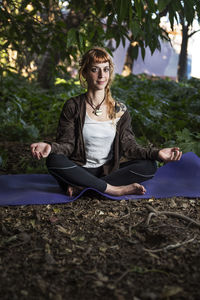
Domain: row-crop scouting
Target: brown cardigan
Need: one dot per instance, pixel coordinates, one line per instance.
(69, 140)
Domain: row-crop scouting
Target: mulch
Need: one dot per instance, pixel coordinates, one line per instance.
(95, 248)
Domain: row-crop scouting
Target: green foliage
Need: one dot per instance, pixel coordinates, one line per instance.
(3, 158)
(12, 109)
(32, 166)
(188, 141)
(162, 111)
(37, 27)
(28, 112)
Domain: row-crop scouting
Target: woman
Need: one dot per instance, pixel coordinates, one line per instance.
(94, 133)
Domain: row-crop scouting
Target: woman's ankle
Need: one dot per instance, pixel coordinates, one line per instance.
(134, 188)
(113, 190)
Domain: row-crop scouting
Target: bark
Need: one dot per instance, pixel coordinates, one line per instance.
(51, 58)
(182, 63)
(129, 60)
(46, 69)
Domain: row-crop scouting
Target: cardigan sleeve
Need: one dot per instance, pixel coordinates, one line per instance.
(65, 138)
(128, 145)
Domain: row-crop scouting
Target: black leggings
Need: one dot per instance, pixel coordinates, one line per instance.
(67, 173)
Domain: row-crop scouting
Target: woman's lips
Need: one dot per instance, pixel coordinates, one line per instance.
(100, 82)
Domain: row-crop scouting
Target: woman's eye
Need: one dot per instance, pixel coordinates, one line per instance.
(106, 70)
(94, 70)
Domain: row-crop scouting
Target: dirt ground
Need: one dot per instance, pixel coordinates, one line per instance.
(95, 248)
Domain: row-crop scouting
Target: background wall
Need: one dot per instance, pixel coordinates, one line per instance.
(164, 62)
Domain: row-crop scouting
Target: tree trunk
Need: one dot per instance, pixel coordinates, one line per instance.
(50, 59)
(46, 69)
(128, 64)
(182, 63)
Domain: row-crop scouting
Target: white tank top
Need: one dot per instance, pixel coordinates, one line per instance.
(98, 139)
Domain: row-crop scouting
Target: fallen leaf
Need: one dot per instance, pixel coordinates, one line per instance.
(172, 203)
(102, 277)
(151, 200)
(185, 205)
(50, 259)
(56, 210)
(170, 291)
(78, 238)
(32, 221)
(53, 219)
(62, 229)
(103, 249)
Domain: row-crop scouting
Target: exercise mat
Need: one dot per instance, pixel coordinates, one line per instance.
(180, 178)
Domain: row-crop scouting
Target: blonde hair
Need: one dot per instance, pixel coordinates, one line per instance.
(98, 55)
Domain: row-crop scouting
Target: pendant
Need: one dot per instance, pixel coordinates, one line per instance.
(97, 112)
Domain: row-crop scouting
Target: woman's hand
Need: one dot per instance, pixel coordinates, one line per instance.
(40, 150)
(170, 154)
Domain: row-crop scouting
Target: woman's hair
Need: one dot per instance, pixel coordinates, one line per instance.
(98, 55)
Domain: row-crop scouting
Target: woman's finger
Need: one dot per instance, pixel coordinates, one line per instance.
(176, 154)
(38, 155)
(33, 150)
(180, 154)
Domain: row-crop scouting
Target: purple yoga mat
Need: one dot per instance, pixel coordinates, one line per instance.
(181, 178)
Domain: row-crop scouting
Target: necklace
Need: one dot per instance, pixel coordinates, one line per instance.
(96, 109)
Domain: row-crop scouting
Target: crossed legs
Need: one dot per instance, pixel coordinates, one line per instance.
(123, 181)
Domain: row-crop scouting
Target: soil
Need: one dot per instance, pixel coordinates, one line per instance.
(95, 248)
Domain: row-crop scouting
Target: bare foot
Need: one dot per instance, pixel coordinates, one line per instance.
(131, 189)
(73, 190)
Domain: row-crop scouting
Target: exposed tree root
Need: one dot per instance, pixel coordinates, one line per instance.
(170, 247)
(154, 212)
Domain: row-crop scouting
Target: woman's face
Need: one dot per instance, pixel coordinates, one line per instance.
(97, 76)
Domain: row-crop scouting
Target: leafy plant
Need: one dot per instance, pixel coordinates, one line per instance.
(188, 141)
(163, 112)
(160, 108)
(3, 158)
(28, 112)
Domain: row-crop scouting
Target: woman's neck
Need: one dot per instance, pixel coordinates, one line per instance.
(96, 96)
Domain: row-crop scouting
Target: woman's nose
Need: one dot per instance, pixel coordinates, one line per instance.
(100, 74)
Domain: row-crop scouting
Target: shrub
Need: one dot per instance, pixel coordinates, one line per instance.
(163, 111)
